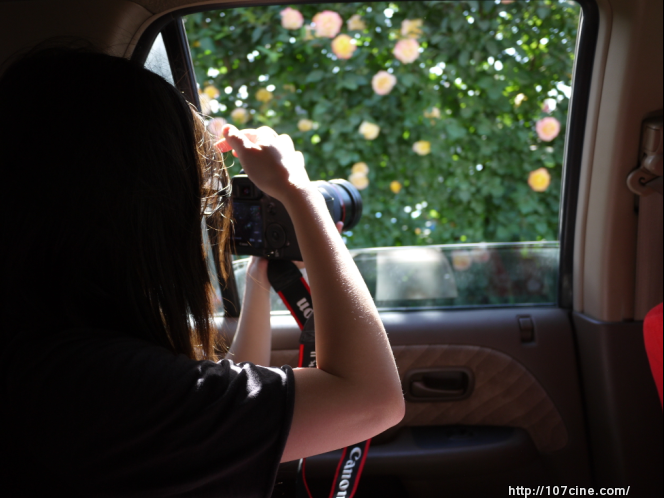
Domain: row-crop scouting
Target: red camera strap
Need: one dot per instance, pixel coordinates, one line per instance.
(294, 291)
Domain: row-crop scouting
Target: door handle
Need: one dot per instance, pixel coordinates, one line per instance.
(420, 390)
(438, 384)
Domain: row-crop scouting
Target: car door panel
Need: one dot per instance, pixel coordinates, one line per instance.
(626, 442)
(527, 393)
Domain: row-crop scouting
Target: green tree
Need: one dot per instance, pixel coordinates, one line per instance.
(475, 93)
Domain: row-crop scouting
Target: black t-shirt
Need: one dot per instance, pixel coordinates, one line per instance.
(99, 413)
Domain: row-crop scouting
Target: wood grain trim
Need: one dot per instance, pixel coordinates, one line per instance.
(506, 394)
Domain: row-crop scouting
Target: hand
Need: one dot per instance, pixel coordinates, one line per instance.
(270, 160)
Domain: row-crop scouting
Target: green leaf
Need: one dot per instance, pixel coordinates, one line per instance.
(207, 44)
(255, 36)
(315, 76)
(407, 80)
(464, 57)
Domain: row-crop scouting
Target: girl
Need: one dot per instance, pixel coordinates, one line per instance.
(110, 379)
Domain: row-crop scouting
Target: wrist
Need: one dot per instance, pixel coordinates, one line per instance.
(302, 197)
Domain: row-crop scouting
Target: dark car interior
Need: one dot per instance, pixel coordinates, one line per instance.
(553, 394)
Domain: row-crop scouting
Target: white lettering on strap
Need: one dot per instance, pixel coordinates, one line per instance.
(355, 455)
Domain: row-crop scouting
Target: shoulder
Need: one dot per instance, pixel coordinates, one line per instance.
(118, 408)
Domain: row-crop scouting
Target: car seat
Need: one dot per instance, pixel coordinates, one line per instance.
(652, 332)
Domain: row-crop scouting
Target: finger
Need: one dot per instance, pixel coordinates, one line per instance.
(267, 131)
(340, 226)
(261, 136)
(223, 145)
(237, 139)
(299, 158)
(286, 141)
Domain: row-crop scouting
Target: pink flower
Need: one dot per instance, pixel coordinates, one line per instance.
(547, 129)
(291, 18)
(383, 82)
(343, 46)
(328, 24)
(214, 127)
(407, 50)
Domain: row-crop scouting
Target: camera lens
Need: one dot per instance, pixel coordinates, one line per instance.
(349, 200)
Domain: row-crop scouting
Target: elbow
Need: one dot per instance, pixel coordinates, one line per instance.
(389, 410)
(396, 409)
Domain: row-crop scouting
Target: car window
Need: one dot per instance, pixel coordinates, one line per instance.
(449, 117)
(157, 60)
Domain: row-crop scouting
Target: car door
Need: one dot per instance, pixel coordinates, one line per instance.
(525, 390)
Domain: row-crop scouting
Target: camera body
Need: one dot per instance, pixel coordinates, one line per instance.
(262, 226)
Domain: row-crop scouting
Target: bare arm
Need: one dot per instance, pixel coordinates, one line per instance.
(253, 336)
(355, 392)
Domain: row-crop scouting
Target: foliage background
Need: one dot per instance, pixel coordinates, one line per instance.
(472, 187)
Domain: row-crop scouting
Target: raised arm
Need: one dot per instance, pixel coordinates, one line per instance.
(355, 392)
(253, 336)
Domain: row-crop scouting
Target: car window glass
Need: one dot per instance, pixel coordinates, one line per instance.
(449, 117)
(157, 60)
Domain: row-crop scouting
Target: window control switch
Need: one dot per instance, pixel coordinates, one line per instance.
(527, 329)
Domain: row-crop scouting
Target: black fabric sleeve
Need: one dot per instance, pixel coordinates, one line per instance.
(102, 414)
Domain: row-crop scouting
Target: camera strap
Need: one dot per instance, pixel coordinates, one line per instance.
(293, 290)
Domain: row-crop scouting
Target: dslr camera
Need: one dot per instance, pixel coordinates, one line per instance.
(262, 227)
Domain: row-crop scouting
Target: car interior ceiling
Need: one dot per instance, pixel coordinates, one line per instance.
(592, 415)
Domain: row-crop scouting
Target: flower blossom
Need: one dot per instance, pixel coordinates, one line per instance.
(395, 187)
(305, 125)
(355, 23)
(422, 147)
(407, 50)
(383, 82)
(480, 254)
(291, 18)
(539, 180)
(240, 115)
(205, 103)
(549, 105)
(547, 129)
(461, 260)
(360, 167)
(327, 23)
(214, 127)
(518, 100)
(211, 91)
(343, 46)
(432, 113)
(369, 130)
(359, 180)
(263, 95)
(411, 28)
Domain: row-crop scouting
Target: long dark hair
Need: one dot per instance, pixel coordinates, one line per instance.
(107, 174)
